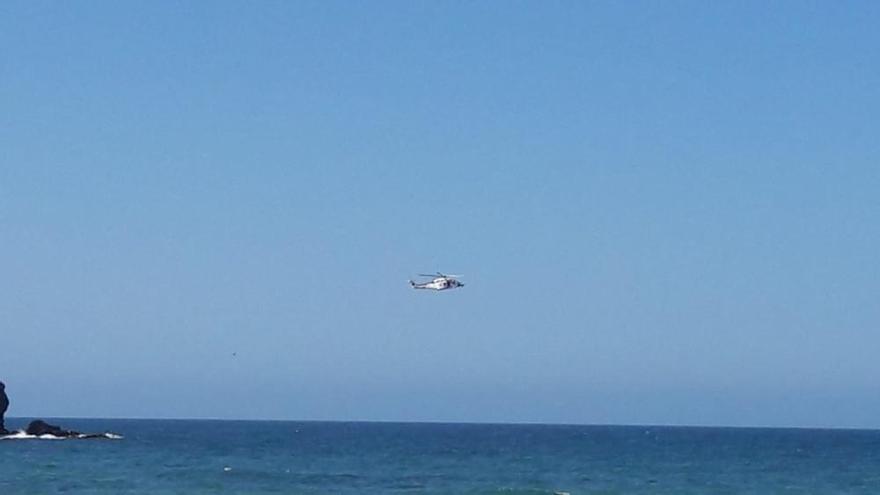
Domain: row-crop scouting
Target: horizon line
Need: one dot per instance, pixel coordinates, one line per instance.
(440, 422)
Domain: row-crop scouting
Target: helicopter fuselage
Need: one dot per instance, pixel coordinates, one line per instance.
(439, 283)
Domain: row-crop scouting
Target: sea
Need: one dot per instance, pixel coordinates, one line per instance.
(291, 457)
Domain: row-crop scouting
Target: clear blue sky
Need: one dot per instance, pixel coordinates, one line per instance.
(666, 212)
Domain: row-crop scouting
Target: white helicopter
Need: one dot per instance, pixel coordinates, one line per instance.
(438, 281)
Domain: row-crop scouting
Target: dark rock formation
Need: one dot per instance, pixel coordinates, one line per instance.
(4, 405)
(40, 427)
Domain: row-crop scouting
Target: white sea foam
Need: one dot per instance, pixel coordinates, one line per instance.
(21, 435)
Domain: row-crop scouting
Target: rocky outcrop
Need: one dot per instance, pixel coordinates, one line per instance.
(40, 428)
(4, 405)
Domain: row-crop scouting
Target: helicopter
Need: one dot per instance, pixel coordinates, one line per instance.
(438, 281)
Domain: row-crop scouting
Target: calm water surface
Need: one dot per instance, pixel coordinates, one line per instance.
(257, 457)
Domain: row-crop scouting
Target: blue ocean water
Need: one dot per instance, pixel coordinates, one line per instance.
(256, 457)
